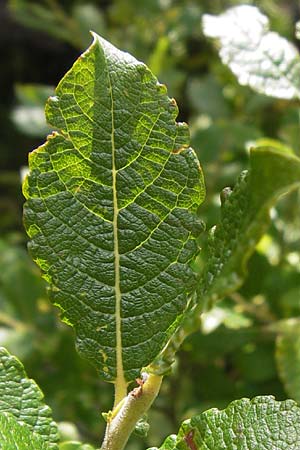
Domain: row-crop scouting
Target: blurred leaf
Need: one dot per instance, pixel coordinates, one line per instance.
(259, 58)
(244, 218)
(245, 424)
(22, 398)
(20, 284)
(88, 17)
(48, 17)
(288, 357)
(73, 445)
(29, 114)
(206, 96)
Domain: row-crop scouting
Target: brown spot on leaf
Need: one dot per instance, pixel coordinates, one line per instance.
(189, 440)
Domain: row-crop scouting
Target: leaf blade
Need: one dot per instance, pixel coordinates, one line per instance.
(245, 424)
(17, 435)
(23, 399)
(120, 181)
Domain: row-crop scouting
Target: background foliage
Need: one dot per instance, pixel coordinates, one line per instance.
(248, 342)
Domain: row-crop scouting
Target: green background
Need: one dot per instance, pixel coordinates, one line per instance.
(239, 351)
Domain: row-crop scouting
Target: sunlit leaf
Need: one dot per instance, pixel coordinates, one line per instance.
(258, 57)
(111, 210)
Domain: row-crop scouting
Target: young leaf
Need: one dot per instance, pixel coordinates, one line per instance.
(288, 357)
(244, 218)
(261, 59)
(18, 436)
(111, 210)
(260, 423)
(22, 398)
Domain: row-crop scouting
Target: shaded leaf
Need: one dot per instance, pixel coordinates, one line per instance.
(261, 59)
(22, 398)
(260, 423)
(111, 210)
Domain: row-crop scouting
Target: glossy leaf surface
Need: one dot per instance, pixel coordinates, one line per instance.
(111, 210)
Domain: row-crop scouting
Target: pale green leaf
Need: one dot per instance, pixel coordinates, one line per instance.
(258, 57)
(111, 210)
(244, 219)
(16, 435)
(29, 115)
(22, 398)
(288, 357)
(257, 424)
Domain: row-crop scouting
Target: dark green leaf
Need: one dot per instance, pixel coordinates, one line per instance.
(22, 398)
(111, 210)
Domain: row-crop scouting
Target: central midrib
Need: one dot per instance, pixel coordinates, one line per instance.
(120, 382)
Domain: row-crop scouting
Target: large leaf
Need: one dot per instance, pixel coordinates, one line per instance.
(244, 218)
(22, 398)
(259, 58)
(288, 357)
(111, 210)
(15, 435)
(260, 423)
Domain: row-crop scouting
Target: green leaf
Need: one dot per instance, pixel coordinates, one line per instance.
(22, 398)
(288, 357)
(261, 59)
(260, 423)
(29, 115)
(16, 435)
(74, 445)
(244, 219)
(111, 210)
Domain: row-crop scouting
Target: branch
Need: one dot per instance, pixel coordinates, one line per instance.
(137, 403)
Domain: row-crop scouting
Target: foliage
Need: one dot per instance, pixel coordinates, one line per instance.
(238, 335)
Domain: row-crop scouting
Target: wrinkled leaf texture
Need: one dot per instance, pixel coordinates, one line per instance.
(111, 210)
(22, 399)
(260, 423)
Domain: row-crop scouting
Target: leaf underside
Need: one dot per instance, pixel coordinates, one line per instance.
(111, 210)
(260, 423)
(23, 399)
(261, 59)
(244, 219)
